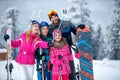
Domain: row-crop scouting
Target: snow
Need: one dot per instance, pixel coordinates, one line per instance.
(3, 50)
(103, 70)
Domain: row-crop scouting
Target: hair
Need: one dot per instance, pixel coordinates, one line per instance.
(64, 40)
(28, 32)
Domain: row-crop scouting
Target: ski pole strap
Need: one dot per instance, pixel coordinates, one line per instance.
(48, 66)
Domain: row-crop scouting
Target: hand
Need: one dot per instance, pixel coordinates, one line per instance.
(43, 58)
(58, 62)
(60, 57)
(50, 44)
(6, 37)
(77, 55)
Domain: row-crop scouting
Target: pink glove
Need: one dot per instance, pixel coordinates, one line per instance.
(58, 62)
(77, 55)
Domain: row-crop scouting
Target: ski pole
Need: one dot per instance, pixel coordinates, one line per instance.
(64, 12)
(60, 57)
(49, 70)
(9, 65)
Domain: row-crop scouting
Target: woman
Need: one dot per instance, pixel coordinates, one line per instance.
(28, 42)
(44, 55)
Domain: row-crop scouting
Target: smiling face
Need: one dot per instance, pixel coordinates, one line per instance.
(44, 30)
(54, 19)
(35, 28)
(58, 37)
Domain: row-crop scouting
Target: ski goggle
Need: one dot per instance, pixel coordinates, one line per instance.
(34, 22)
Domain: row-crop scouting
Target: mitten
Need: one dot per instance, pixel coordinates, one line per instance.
(77, 55)
(50, 44)
(6, 37)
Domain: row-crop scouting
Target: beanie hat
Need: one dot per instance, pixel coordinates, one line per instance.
(43, 23)
(56, 32)
(52, 13)
(81, 26)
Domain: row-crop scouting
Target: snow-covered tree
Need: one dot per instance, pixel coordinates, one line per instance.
(78, 13)
(9, 19)
(36, 15)
(115, 32)
(100, 46)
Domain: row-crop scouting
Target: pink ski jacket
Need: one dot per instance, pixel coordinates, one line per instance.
(66, 56)
(27, 49)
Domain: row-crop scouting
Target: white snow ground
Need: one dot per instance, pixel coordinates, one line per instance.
(103, 70)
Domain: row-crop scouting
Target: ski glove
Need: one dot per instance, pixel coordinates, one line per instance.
(50, 44)
(77, 55)
(6, 37)
(60, 57)
(58, 62)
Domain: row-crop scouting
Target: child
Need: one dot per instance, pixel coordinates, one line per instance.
(28, 42)
(60, 56)
(44, 56)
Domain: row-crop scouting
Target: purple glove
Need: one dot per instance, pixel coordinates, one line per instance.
(77, 55)
(58, 62)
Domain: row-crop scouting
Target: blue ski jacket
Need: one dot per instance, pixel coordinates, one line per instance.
(66, 28)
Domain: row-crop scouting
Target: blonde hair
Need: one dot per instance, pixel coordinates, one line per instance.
(28, 32)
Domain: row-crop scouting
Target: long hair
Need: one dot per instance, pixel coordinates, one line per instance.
(28, 32)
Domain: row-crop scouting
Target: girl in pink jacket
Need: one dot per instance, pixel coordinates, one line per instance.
(28, 42)
(60, 56)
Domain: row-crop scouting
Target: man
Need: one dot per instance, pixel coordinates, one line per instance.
(66, 27)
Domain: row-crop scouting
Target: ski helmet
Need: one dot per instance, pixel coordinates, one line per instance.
(43, 23)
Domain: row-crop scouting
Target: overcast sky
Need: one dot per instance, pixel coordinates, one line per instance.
(101, 10)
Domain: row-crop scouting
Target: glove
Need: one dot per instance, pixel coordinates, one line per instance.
(58, 62)
(77, 55)
(50, 44)
(6, 37)
(60, 57)
(43, 58)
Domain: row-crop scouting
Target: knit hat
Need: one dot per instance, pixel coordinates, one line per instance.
(56, 32)
(81, 26)
(43, 23)
(52, 13)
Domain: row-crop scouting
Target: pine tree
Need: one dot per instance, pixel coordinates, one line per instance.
(115, 32)
(78, 13)
(9, 19)
(100, 44)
